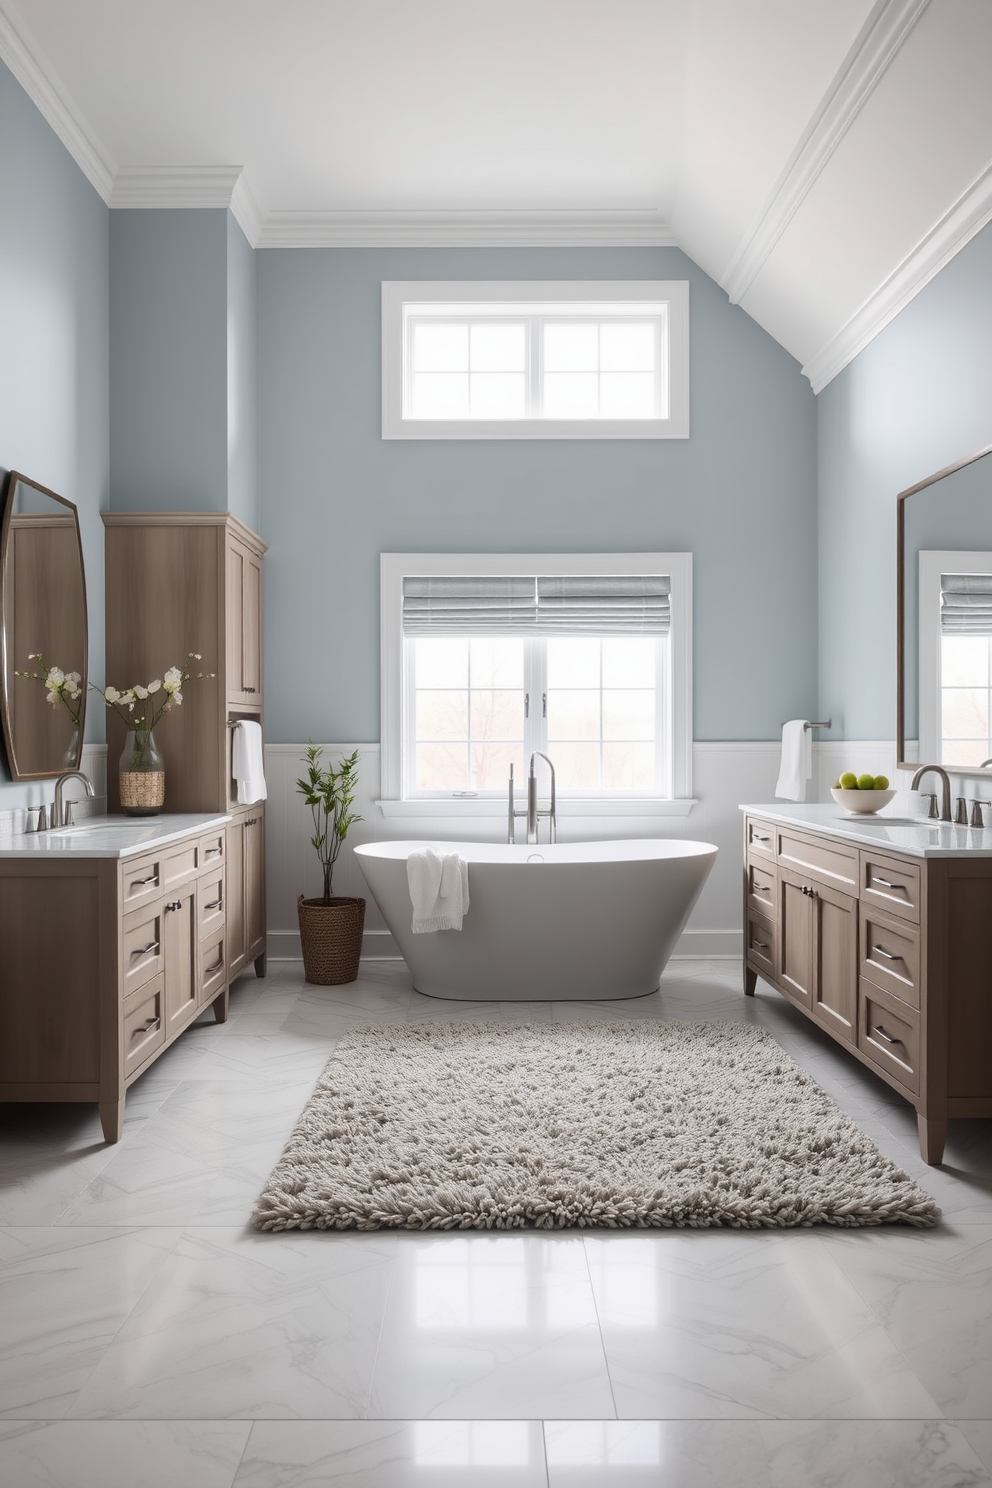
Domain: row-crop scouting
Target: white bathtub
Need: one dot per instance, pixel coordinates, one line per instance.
(574, 922)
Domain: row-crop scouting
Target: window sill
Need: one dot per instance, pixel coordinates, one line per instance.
(568, 810)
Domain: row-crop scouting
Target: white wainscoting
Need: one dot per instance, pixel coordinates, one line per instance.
(723, 776)
(13, 819)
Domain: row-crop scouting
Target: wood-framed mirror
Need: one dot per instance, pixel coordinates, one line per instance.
(944, 618)
(43, 610)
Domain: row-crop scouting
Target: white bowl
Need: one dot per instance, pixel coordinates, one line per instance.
(861, 802)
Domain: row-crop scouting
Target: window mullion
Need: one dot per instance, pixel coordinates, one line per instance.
(535, 368)
(536, 725)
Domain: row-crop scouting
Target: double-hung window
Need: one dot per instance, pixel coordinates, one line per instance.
(544, 360)
(489, 658)
(956, 658)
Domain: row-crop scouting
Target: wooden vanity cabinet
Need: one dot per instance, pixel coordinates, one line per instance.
(890, 953)
(104, 962)
(178, 582)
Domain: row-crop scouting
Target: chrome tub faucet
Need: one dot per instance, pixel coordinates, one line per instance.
(533, 814)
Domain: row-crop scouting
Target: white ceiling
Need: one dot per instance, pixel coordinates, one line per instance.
(821, 159)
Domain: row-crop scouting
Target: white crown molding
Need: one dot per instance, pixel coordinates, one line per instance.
(21, 53)
(248, 211)
(174, 186)
(877, 45)
(968, 215)
(472, 229)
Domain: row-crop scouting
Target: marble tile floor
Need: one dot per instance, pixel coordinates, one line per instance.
(148, 1337)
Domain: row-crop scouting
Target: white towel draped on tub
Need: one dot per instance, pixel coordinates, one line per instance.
(438, 890)
(797, 760)
(246, 762)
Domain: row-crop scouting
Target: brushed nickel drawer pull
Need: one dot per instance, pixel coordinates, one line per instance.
(212, 852)
(885, 882)
(173, 904)
(148, 1027)
(887, 1037)
(250, 689)
(878, 951)
(146, 950)
(759, 837)
(759, 945)
(209, 970)
(214, 904)
(140, 882)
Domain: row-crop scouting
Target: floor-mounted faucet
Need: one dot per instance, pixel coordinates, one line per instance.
(945, 805)
(532, 813)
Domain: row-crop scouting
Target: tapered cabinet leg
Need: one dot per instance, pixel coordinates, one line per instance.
(260, 965)
(933, 1135)
(750, 980)
(221, 1005)
(112, 1119)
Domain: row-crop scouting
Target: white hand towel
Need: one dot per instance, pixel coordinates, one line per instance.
(438, 884)
(246, 762)
(797, 761)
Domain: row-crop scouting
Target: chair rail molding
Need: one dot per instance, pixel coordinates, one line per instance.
(876, 46)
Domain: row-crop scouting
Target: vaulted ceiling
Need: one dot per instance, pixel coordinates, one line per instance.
(820, 159)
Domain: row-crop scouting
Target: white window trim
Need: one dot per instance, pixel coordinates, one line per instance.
(933, 563)
(394, 567)
(674, 292)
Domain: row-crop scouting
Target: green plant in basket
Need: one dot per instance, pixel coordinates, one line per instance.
(329, 793)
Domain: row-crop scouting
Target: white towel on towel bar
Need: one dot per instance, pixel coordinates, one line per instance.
(438, 885)
(797, 760)
(246, 762)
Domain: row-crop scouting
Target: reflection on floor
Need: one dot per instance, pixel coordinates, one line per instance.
(143, 1325)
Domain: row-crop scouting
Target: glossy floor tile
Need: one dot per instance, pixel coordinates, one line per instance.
(142, 1319)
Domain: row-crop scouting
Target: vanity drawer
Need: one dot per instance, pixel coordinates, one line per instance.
(143, 1028)
(762, 888)
(141, 947)
(210, 903)
(141, 881)
(210, 850)
(889, 1034)
(890, 955)
(213, 967)
(891, 885)
(178, 865)
(761, 944)
(813, 857)
(759, 839)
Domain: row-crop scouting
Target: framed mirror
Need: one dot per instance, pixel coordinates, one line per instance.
(43, 605)
(944, 618)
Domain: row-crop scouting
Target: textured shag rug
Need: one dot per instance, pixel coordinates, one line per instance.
(448, 1125)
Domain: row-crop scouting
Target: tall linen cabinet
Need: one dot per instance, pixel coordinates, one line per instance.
(178, 582)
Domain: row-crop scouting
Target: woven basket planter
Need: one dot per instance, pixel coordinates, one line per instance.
(331, 937)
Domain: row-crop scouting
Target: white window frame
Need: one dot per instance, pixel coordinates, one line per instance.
(620, 295)
(395, 567)
(933, 563)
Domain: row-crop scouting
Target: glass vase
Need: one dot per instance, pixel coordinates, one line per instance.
(142, 774)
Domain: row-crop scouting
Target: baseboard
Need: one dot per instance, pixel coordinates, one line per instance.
(379, 945)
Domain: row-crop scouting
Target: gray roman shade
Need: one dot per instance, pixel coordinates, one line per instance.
(576, 604)
(966, 604)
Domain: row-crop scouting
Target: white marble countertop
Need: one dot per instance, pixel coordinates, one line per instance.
(109, 836)
(889, 828)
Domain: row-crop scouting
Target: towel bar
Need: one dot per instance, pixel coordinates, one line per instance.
(808, 725)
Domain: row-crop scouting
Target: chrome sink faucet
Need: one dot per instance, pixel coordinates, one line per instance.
(532, 813)
(60, 812)
(945, 804)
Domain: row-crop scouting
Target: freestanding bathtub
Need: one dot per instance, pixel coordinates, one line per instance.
(568, 922)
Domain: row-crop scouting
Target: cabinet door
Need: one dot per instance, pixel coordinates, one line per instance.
(795, 937)
(180, 945)
(835, 962)
(244, 624)
(237, 950)
(255, 886)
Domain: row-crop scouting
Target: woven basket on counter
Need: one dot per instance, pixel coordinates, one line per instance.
(331, 937)
(142, 790)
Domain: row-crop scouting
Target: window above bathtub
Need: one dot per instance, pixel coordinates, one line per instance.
(535, 360)
(490, 657)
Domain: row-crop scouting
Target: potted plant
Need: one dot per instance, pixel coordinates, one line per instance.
(331, 926)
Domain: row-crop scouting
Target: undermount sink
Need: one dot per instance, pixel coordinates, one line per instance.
(95, 824)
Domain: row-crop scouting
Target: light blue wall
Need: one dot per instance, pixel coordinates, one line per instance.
(739, 493)
(242, 376)
(168, 360)
(916, 399)
(54, 313)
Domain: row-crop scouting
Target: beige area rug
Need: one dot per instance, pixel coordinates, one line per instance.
(448, 1125)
